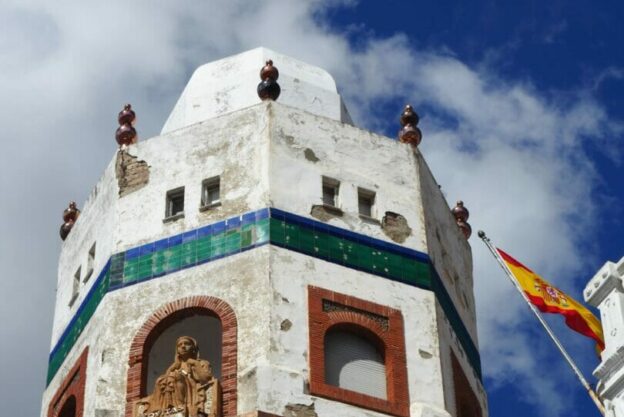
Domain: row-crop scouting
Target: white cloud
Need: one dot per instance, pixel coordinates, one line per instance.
(515, 154)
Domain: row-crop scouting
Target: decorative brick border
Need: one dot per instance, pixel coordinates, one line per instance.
(73, 386)
(165, 317)
(358, 315)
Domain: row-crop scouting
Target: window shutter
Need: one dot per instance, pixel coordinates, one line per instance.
(352, 362)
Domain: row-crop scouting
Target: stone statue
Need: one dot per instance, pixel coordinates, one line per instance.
(187, 389)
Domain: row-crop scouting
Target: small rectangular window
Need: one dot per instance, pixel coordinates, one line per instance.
(366, 201)
(175, 203)
(330, 191)
(75, 287)
(211, 192)
(90, 261)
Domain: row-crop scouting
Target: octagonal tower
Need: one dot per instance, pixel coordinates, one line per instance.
(317, 265)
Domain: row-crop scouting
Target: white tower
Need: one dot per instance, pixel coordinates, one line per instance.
(317, 264)
(605, 292)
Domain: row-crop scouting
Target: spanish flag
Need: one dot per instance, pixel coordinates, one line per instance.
(549, 299)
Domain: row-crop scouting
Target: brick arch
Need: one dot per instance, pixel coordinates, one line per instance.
(164, 317)
(360, 325)
(356, 323)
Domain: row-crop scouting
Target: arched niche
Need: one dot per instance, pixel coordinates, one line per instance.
(200, 317)
(204, 328)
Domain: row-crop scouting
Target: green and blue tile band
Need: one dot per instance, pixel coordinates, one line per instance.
(250, 230)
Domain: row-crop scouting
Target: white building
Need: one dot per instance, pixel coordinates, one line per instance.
(605, 292)
(317, 264)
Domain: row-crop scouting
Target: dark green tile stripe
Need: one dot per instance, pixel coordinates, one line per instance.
(351, 254)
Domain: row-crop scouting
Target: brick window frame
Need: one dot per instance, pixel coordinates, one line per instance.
(164, 317)
(72, 386)
(369, 320)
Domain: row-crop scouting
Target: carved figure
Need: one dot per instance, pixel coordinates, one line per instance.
(187, 389)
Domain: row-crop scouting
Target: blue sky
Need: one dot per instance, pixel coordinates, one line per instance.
(558, 48)
(520, 106)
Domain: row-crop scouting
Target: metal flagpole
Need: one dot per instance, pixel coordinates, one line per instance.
(565, 354)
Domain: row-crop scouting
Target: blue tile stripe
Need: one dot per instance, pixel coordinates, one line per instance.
(250, 230)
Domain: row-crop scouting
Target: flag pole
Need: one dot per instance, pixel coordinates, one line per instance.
(565, 354)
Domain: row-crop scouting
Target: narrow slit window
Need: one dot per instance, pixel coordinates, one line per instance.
(75, 287)
(90, 262)
(366, 202)
(330, 191)
(211, 192)
(175, 202)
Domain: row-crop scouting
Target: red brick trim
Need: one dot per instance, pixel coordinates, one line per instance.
(72, 386)
(165, 317)
(359, 316)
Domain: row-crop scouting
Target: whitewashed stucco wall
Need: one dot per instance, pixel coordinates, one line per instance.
(356, 158)
(96, 224)
(260, 153)
(234, 146)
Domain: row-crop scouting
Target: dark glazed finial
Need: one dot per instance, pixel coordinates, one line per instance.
(481, 234)
(269, 71)
(409, 116)
(70, 215)
(127, 115)
(461, 215)
(269, 89)
(460, 212)
(126, 133)
(410, 133)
